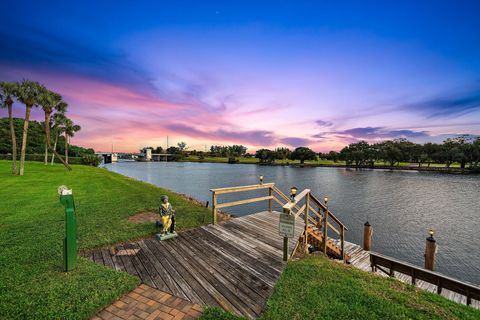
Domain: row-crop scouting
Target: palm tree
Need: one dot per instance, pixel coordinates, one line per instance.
(69, 131)
(58, 120)
(8, 93)
(49, 101)
(27, 92)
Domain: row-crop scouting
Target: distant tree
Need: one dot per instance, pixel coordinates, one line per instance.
(27, 92)
(390, 152)
(57, 125)
(50, 101)
(69, 131)
(283, 153)
(333, 155)
(302, 154)
(181, 145)
(173, 150)
(357, 153)
(7, 94)
(158, 150)
(265, 156)
(236, 150)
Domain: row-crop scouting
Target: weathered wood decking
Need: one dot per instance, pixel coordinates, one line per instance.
(233, 265)
(360, 259)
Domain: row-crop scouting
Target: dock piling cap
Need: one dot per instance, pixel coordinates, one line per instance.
(367, 224)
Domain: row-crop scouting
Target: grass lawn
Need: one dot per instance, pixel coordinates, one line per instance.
(319, 288)
(32, 282)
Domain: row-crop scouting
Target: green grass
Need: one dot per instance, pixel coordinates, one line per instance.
(319, 288)
(316, 287)
(32, 282)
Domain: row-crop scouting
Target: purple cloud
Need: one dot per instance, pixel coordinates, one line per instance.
(450, 106)
(255, 137)
(381, 132)
(295, 142)
(323, 123)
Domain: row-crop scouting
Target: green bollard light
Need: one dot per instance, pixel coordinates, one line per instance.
(70, 241)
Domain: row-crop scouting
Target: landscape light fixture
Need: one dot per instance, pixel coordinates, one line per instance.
(431, 232)
(293, 193)
(261, 179)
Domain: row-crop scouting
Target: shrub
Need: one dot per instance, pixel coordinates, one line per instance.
(91, 160)
(232, 160)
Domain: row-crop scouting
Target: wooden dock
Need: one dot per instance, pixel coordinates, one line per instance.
(360, 259)
(233, 265)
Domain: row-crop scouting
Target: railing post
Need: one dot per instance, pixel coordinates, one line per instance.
(430, 251)
(270, 200)
(214, 208)
(285, 249)
(307, 207)
(367, 236)
(342, 237)
(325, 231)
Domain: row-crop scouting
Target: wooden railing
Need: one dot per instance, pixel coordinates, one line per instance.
(219, 191)
(317, 220)
(380, 262)
(314, 213)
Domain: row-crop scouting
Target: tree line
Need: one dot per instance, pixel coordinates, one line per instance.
(464, 150)
(36, 141)
(32, 95)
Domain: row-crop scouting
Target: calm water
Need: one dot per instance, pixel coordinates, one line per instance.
(401, 205)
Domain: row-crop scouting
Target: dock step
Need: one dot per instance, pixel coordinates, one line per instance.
(332, 248)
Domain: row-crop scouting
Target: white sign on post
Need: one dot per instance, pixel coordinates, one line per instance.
(286, 227)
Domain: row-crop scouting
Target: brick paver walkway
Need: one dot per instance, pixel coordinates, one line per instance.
(145, 302)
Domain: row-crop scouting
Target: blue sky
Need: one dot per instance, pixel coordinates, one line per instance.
(313, 73)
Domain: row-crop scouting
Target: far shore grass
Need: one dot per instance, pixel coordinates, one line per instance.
(32, 282)
(319, 162)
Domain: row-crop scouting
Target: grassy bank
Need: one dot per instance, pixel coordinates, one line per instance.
(319, 288)
(326, 163)
(32, 283)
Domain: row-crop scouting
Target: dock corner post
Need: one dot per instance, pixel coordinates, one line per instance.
(342, 236)
(270, 193)
(367, 236)
(325, 231)
(214, 208)
(430, 252)
(307, 208)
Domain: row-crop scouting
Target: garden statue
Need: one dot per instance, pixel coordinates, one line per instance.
(167, 220)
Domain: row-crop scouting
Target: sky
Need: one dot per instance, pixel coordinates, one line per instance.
(321, 74)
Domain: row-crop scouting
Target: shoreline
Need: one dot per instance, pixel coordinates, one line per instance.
(447, 170)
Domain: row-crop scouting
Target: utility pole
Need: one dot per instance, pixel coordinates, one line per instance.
(166, 152)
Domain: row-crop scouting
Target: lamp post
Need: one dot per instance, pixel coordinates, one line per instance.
(293, 193)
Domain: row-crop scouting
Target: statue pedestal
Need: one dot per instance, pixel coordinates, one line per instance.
(166, 236)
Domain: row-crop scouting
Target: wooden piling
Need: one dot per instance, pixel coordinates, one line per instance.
(430, 252)
(367, 236)
(270, 201)
(214, 208)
